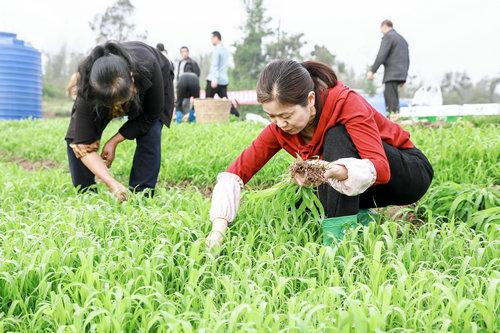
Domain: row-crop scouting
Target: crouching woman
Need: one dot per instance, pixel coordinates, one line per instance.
(370, 161)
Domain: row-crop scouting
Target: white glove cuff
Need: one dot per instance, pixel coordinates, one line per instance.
(226, 197)
(361, 174)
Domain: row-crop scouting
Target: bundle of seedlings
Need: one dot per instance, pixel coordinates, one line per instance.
(299, 201)
(312, 173)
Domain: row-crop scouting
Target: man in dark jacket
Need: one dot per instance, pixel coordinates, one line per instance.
(394, 55)
(186, 64)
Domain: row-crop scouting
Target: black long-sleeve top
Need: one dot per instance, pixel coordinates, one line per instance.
(155, 92)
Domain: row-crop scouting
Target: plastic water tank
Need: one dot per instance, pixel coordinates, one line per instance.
(20, 79)
(378, 102)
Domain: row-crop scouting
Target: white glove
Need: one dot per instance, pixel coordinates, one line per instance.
(214, 239)
(216, 236)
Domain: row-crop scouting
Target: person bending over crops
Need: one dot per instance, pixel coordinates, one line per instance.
(368, 160)
(120, 79)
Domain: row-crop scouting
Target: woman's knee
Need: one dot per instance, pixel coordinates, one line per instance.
(338, 144)
(423, 178)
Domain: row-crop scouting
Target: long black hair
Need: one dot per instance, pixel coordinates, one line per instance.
(106, 74)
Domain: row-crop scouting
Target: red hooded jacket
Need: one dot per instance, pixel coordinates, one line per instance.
(367, 128)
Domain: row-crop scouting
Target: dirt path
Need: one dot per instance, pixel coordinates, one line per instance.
(399, 213)
(26, 164)
(187, 185)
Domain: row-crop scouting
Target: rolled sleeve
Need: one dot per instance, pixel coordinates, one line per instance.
(82, 150)
(361, 175)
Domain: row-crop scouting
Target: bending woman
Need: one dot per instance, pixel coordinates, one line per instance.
(120, 79)
(370, 161)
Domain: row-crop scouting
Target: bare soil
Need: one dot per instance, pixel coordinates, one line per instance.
(26, 164)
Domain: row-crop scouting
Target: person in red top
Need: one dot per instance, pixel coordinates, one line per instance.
(370, 161)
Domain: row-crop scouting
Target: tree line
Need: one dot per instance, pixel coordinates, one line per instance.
(263, 41)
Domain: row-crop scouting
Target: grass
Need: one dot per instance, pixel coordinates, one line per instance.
(56, 107)
(83, 263)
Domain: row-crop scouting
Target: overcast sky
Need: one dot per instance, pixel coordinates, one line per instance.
(443, 35)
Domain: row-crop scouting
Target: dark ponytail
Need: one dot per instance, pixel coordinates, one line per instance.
(324, 78)
(105, 74)
(289, 83)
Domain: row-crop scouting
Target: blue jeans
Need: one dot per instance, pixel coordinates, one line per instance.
(145, 166)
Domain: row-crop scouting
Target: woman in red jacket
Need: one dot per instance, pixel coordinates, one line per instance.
(370, 160)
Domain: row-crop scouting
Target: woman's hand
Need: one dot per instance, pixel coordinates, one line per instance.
(216, 236)
(108, 153)
(109, 150)
(336, 171)
(95, 163)
(332, 171)
(119, 191)
(301, 180)
(214, 239)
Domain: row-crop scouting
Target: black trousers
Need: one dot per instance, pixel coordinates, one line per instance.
(411, 176)
(391, 96)
(145, 166)
(221, 91)
(188, 86)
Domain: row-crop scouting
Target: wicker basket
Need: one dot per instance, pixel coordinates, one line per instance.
(212, 110)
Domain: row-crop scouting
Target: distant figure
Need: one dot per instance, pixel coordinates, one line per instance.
(217, 79)
(188, 85)
(186, 64)
(394, 55)
(160, 47)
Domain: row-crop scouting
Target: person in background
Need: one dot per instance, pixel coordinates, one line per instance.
(160, 47)
(186, 64)
(217, 79)
(370, 161)
(395, 57)
(188, 85)
(119, 79)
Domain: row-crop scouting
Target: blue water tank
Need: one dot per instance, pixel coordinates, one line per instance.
(20, 79)
(378, 102)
